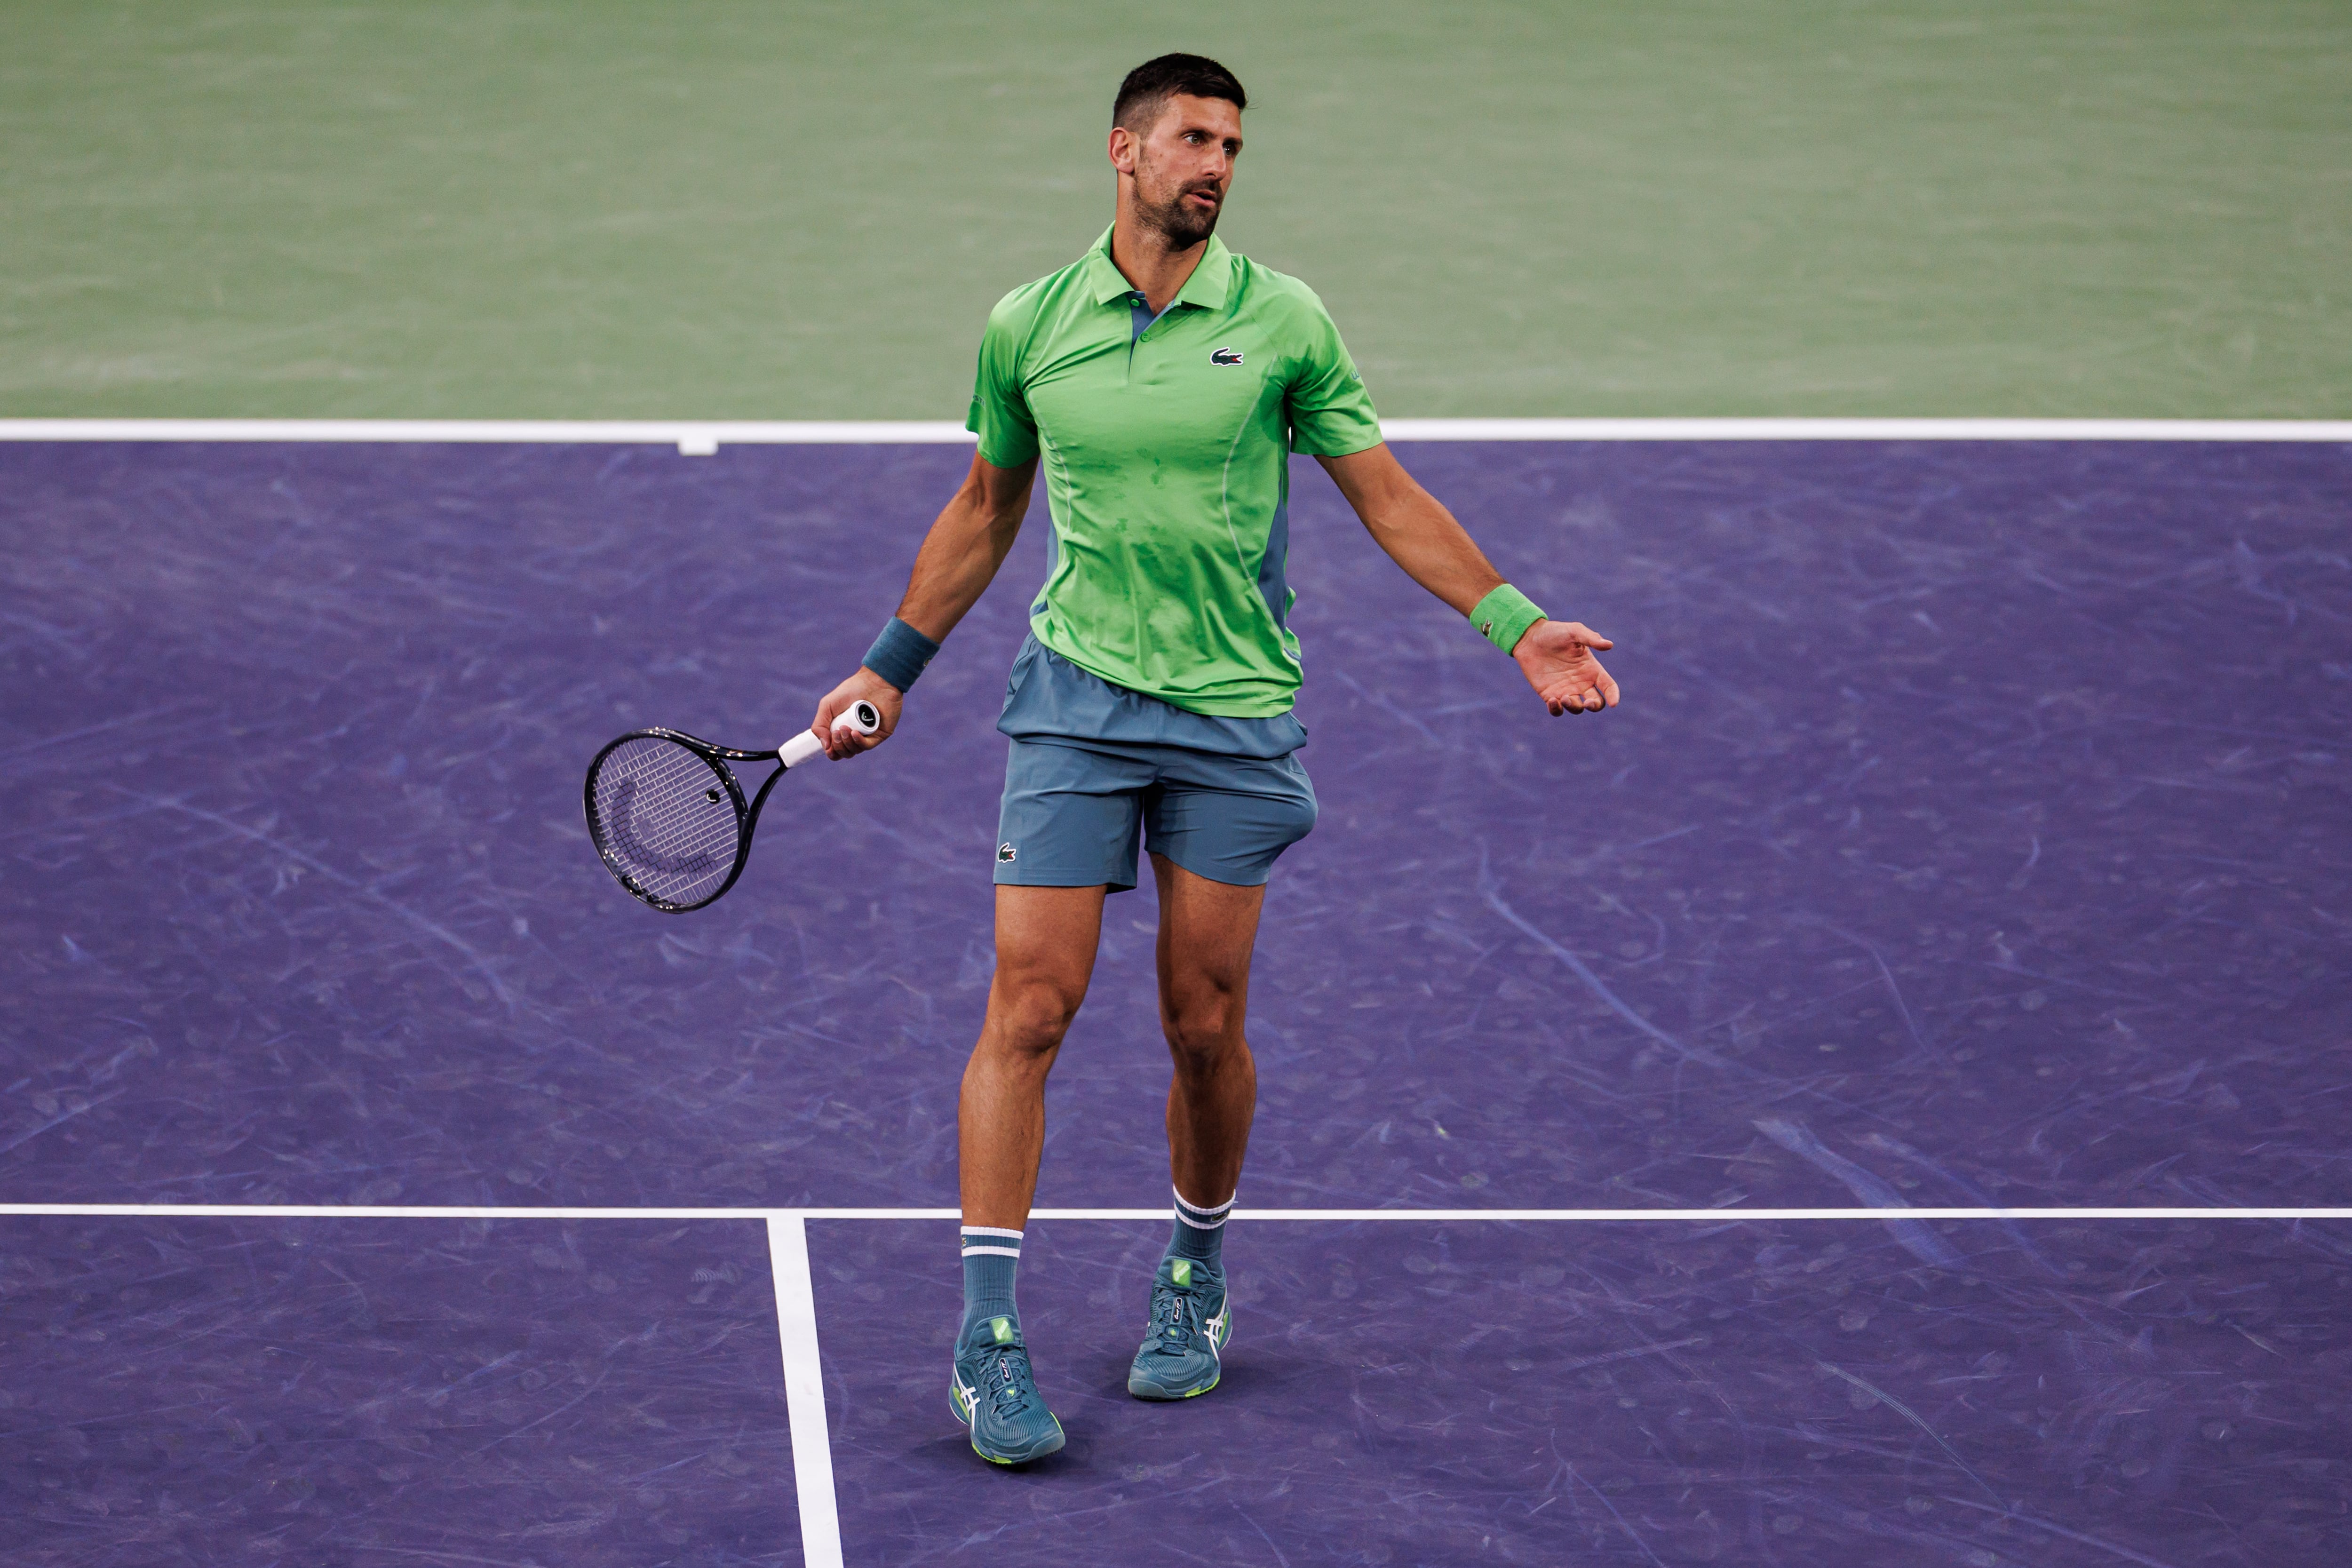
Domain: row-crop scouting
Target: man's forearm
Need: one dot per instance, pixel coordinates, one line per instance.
(1422, 537)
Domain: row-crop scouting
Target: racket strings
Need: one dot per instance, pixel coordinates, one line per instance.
(664, 820)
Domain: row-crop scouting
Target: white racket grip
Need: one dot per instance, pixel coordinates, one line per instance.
(861, 716)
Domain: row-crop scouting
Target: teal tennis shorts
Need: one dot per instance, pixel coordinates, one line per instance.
(1075, 814)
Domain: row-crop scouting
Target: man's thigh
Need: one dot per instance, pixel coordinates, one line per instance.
(1046, 942)
(1207, 930)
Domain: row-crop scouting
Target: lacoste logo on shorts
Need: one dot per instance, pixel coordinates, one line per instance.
(1006, 855)
(1225, 356)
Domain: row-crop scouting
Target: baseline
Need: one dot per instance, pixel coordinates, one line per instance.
(1352, 1217)
(702, 438)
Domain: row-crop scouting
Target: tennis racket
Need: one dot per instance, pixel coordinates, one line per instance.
(667, 814)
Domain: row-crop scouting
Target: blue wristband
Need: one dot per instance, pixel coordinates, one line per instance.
(899, 654)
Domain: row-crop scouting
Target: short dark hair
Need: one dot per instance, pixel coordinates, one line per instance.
(1149, 86)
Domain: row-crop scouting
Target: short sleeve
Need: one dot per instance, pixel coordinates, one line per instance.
(1330, 413)
(1000, 407)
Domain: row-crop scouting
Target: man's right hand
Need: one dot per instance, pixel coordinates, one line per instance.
(845, 742)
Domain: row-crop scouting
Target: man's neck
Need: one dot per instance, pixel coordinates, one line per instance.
(1141, 254)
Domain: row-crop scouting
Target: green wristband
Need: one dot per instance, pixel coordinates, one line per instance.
(1504, 617)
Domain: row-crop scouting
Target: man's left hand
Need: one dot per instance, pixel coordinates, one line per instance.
(1557, 659)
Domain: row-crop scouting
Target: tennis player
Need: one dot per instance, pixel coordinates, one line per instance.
(1163, 382)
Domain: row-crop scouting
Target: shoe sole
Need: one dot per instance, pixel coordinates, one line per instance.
(955, 1402)
(1158, 1395)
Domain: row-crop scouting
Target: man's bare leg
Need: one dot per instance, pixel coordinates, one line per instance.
(1046, 940)
(1206, 932)
(1045, 956)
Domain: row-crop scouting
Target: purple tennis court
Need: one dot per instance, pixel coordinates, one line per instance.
(1974, 834)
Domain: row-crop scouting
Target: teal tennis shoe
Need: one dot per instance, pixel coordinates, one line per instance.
(1191, 1321)
(994, 1394)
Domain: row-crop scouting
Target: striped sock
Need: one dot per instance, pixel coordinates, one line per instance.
(1200, 1233)
(990, 1257)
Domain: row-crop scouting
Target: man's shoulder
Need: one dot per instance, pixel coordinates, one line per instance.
(1020, 308)
(1279, 295)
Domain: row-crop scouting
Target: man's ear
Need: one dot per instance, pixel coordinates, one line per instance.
(1122, 149)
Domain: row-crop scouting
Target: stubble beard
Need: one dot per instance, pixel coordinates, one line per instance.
(1181, 227)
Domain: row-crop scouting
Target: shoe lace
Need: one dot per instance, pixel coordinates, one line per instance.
(1175, 1318)
(1004, 1378)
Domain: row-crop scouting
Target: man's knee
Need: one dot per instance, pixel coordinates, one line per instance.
(1203, 1030)
(1032, 1016)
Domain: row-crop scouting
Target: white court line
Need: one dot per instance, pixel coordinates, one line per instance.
(702, 438)
(1867, 430)
(1347, 1217)
(805, 1393)
(697, 437)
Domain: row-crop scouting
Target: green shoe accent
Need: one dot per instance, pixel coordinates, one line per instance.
(1192, 1319)
(995, 1395)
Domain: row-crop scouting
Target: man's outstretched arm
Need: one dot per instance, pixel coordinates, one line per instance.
(1422, 536)
(957, 560)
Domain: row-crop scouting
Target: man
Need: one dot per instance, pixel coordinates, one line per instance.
(1164, 380)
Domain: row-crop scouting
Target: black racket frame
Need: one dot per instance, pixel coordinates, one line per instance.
(747, 816)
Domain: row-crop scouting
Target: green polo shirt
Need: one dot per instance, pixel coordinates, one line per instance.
(1167, 467)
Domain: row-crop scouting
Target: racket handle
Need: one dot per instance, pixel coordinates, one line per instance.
(861, 716)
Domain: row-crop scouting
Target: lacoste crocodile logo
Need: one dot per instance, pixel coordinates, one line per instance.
(1225, 356)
